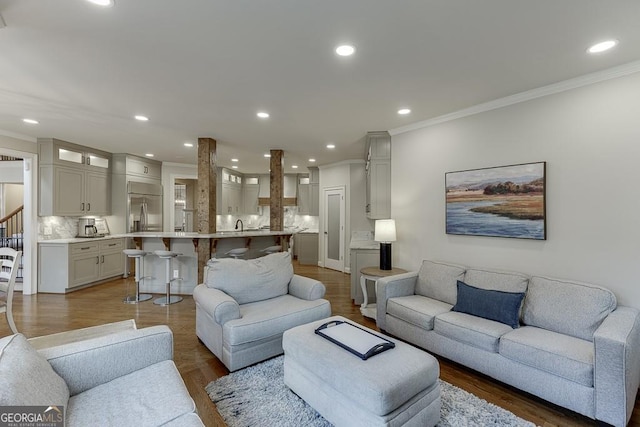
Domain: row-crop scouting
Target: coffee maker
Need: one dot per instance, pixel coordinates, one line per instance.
(87, 227)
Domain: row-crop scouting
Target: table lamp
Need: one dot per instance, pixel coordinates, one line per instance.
(385, 233)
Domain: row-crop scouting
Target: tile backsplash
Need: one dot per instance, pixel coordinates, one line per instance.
(57, 227)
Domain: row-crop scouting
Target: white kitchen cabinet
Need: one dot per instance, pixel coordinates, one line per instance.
(378, 179)
(137, 167)
(250, 193)
(111, 258)
(314, 191)
(74, 180)
(68, 191)
(229, 200)
(57, 152)
(84, 263)
(304, 195)
(63, 267)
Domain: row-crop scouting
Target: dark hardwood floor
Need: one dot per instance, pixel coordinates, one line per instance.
(43, 314)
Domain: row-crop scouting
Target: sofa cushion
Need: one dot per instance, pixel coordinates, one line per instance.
(417, 310)
(558, 354)
(437, 280)
(499, 280)
(471, 330)
(566, 307)
(270, 318)
(26, 378)
(251, 280)
(501, 306)
(151, 396)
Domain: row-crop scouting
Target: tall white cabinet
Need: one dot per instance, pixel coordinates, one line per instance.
(378, 170)
(74, 180)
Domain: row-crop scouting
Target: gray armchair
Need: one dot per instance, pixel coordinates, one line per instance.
(244, 306)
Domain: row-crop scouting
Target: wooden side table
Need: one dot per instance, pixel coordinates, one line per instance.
(373, 274)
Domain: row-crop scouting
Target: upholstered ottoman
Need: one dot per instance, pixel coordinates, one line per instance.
(395, 388)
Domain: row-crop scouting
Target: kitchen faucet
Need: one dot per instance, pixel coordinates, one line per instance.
(241, 224)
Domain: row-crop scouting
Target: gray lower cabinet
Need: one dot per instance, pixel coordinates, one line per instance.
(306, 247)
(65, 266)
(361, 258)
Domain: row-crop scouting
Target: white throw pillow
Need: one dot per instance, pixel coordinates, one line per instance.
(26, 377)
(251, 280)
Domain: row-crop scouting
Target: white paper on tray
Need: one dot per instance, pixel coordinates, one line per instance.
(351, 336)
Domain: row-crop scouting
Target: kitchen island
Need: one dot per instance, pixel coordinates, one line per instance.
(187, 244)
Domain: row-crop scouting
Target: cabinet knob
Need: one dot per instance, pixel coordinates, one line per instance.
(82, 208)
(97, 260)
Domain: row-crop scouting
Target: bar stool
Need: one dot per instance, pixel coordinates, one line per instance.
(237, 252)
(272, 249)
(168, 299)
(137, 255)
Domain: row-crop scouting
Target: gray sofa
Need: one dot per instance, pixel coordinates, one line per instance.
(107, 376)
(571, 345)
(244, 306)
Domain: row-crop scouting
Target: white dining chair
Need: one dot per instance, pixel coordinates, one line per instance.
(9, 264)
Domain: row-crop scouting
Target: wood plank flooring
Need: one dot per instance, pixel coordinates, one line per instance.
(43, 314)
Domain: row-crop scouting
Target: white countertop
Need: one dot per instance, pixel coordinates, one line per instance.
(182, 235)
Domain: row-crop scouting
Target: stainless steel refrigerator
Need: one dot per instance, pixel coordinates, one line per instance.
(144, 207)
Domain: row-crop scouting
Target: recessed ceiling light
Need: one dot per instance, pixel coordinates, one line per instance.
(345, 50)
(31, 121)
(149, 155)
(267, 155)
(142, 118)
(312, 160)
(234, 167)
(404, 111)
(331, 146)
(263, 114)
(602, 46)
(294, 166)
(234, 160)
(188, 144)
(103, 3)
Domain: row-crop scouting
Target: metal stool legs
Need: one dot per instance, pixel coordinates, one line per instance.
(168, 299)
(137, 255)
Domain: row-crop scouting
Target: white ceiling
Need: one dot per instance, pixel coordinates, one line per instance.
(203, 68)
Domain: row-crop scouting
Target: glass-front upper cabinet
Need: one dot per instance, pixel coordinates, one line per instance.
(64, 153)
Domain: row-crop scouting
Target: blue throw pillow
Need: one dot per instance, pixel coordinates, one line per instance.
(503, 307)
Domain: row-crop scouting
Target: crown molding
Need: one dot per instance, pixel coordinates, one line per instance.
(585, 80)
(18, 136)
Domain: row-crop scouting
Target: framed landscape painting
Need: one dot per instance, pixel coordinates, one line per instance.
(504, 201)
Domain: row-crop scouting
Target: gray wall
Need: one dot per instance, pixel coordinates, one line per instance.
(590, 139)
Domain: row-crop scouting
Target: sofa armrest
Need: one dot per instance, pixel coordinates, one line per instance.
(390, 287)
(88, 363)
(617, 365)
(306, 288)
(218, 304)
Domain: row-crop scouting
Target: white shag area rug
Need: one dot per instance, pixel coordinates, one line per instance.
(257, 396)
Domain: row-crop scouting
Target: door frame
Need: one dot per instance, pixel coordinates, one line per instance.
(338, 265)
(29, 283)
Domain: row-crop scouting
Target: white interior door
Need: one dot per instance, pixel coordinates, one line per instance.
(334, 219)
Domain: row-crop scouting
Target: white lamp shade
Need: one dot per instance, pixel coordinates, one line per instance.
(385, 230)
